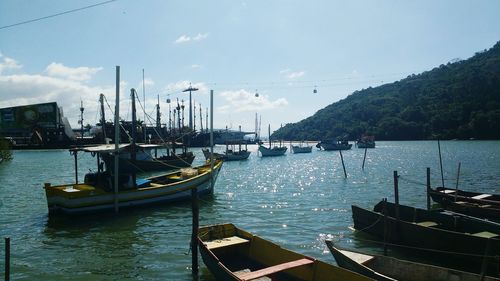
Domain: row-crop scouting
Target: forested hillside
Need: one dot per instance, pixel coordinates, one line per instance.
(458, 100)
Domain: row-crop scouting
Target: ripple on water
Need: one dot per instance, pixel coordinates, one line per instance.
(297, 201)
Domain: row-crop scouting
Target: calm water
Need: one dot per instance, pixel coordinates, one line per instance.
(294, 200)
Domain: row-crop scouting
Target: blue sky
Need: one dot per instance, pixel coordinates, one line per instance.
(280, 49)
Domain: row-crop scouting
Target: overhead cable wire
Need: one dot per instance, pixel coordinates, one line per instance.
(58, 14)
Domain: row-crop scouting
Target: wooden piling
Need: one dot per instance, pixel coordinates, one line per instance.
(441, 163)
(364, 157)
(343, 166)
(385, 226)
(194, 232)
(76, 165)
(458, 177)
(396, 194)
(428, 188)
(7, 258)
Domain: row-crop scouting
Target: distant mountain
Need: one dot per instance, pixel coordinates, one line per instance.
(459, 100)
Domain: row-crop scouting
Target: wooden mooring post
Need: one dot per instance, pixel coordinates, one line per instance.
(343, 166)
(458, 177)
(194, 232)
(364, 158)
(441, 163)
(428, 188)
(7, 258)
(396, 194)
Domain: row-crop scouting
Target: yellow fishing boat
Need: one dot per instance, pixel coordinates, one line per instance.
(234, 254)
(98, 192)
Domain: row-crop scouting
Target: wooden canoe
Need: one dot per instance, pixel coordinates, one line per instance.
(460, 240)
(383, 268)
(234, 254)
(481, 205)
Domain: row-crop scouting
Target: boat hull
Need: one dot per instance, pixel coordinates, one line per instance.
(335, 146)
(301, 149)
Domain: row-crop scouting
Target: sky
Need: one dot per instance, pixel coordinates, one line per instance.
(262, 57)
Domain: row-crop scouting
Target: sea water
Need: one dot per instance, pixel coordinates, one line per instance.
(296, 201)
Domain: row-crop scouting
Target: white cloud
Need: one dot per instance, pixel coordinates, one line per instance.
(183, 39)
(195, 66)
(186, 38)
(200, 37)
(245, 101)
(295, 75)
(285, 71)
(8, 63)
(77, 74)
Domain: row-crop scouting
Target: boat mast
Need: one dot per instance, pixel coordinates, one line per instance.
(194, 116)
(269, 134)
(81, 118)
(117, 135)
(144, 104)
(201, 120)
(133, 133)
(103, 118)
(158, 120)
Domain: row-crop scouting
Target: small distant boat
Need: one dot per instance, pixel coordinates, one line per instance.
(334, 145)
(477, 204)
(383, 268)
(97, 192)
(232, 254)
(443, 233)
(302, 148)
(366, 142)
(231, 154)
(272, 150)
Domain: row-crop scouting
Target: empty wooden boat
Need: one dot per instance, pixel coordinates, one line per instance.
(383, 268)
(234, 254)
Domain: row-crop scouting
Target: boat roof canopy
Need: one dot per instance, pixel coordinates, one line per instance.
(108, 148)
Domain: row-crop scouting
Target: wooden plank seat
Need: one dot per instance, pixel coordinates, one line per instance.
(427, 223)
(229, 241)
(273, 269)
(485, 234)
(447, 191)
(481, 196)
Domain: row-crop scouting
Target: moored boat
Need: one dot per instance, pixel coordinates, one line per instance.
(477, 204)
(302, 148)
(334, 145)
(98, 192)
(443, 195)
(366, 142)
(231, 253)
(384, 268)
(468, 240)
(231, 153)
(272, 150)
